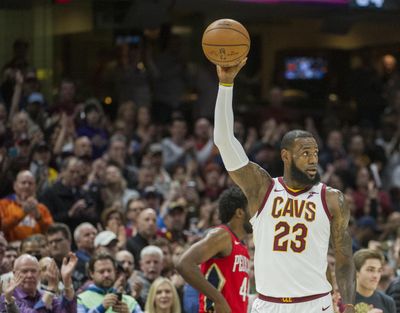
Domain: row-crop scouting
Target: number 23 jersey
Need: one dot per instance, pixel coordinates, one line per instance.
(291, 236)
(230, 275)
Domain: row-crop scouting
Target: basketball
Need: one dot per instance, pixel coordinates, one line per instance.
(226, 42)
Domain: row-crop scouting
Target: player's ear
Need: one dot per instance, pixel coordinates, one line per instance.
(285, 155)
(239, 212)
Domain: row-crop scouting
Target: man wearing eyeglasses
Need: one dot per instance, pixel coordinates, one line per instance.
(59, 240)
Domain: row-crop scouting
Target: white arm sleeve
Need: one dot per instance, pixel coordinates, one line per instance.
(231, 150)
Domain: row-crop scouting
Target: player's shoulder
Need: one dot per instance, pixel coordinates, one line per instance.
(333, 193)
(336, 201)
(219, 232)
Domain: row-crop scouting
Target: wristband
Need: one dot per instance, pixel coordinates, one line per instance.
(11, 302)
(49, 290)
(226, 85)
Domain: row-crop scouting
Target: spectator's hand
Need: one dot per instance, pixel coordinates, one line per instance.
(77, 207)
(375, 245)
(251, 138)
(189, 145)
(119, 283)
(121, 307)
(52, 275)
(227, 75)
(19, 78)
(110, 300)
(349, 309)
(309, 124)
(33, 203)
(68, 267)
(177, 280)
(375, 310)
(372, 190)
(113, 226)
(121, 234)
(12, 284)
(136, 285)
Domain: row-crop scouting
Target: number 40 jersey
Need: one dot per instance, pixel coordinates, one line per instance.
(230, 275)
(291, 236)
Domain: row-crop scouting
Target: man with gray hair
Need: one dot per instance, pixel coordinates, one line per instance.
(151, 264)
(23, 293)
(84, 236)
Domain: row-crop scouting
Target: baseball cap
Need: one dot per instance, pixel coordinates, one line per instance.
(155, 148)
(151, 191)
(175, 207)
(36, 97)
(104, 238)
(40, 147)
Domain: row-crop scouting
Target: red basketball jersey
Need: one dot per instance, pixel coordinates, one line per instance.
(230, 275)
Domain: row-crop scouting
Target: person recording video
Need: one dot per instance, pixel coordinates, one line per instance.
(102, 294)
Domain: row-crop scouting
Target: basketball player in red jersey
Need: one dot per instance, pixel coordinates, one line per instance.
(294, 218)
(223, 277)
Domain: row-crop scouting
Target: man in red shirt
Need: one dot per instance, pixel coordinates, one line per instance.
(223, 277)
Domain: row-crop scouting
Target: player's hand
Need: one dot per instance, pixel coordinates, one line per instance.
(227, 75)
(222, 307)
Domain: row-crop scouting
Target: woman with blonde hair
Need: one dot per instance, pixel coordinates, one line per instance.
(162, 297)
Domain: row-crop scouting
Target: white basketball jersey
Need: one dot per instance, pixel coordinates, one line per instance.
(291, 235)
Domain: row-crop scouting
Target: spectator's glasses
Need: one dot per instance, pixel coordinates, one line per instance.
(55, 241)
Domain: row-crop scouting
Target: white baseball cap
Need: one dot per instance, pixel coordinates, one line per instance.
(104, 238)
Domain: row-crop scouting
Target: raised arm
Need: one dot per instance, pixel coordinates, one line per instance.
(341, 241)
(216, 243)
(251, 178)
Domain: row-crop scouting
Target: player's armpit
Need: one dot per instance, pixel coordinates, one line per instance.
(342, 244)
(254, 182)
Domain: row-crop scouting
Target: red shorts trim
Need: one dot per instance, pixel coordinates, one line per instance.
(288, 300)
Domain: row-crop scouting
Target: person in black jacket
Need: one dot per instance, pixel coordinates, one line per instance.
(394, 291)
(66, 199)
(369, 264)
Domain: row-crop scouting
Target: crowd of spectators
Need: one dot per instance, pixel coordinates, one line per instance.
(96, 208)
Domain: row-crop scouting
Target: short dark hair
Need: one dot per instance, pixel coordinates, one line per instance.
(162, 242)
(361, 256)
(229, 201)
(289, 138)
(100, 257)
(59, 227)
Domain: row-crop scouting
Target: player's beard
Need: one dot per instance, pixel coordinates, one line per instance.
(302, 178)
(248, 228)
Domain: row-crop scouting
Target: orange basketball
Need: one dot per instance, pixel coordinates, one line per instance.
(226, 42)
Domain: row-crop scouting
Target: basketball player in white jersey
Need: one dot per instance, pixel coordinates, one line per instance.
(294, 217)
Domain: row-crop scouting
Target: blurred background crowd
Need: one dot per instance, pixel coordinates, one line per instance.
(124, 164)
